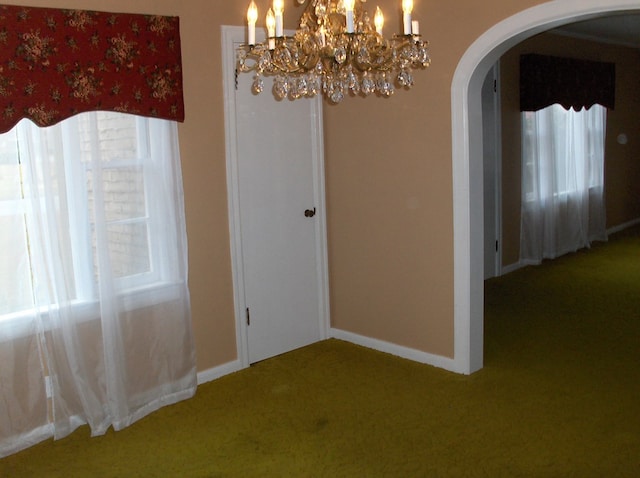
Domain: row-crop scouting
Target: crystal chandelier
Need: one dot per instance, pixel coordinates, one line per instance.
(336, 51)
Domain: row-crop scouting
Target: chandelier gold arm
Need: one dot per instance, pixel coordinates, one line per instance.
(334, 55)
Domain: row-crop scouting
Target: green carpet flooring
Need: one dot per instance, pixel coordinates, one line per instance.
(559, 397)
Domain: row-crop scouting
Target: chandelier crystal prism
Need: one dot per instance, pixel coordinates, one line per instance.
(336, 51)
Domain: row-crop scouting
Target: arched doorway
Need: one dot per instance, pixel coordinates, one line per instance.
(466, 113)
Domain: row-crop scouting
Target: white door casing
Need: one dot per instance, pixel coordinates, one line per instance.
(275, 171)
(492, 172)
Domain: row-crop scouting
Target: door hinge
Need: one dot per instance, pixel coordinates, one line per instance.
(495, 85)
(496, 251)
(235, 78)
(248, 317)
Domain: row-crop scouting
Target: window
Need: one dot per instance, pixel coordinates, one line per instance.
(92, 177)
(95, 319)
(562, 181)
(561, 144)
(14, 288)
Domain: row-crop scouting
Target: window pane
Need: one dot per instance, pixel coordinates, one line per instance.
(10, 187)
(123, 193)
(124, 210)
(115, 136)
(15, 275)
(528, 150)
(15, 278)
(128, 249)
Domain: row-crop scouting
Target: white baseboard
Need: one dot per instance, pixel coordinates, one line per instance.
(623, 226)
(512, 267)
(218, 371)
(394, 349)
(611, 230)
(375, 344)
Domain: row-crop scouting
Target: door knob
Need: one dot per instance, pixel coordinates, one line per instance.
(310, 212)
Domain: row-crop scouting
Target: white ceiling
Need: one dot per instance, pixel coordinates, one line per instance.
(622, 29)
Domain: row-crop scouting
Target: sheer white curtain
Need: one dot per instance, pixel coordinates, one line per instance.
(563, 206)
(94, 306)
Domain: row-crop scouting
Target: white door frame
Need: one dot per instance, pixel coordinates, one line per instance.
(495, 163)
(466, 113)
(231, 35)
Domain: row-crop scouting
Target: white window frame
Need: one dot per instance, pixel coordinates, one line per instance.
(529, 196)
(155, 279)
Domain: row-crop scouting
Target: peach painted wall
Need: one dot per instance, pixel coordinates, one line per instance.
(389, 179)
(389, 190)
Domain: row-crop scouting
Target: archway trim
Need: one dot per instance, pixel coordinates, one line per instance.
(466, 117)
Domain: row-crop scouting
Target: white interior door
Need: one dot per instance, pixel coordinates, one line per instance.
(280, 230)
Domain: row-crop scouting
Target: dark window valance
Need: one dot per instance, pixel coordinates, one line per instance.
(55, 63)
(545, 80)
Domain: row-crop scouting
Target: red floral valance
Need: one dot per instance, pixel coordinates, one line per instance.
(55, 63)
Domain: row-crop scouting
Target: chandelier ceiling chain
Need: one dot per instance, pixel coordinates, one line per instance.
(336, 51)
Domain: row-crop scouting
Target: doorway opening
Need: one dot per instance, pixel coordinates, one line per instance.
(467, 155)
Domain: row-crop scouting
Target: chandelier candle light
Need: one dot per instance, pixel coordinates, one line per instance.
(335, 51)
